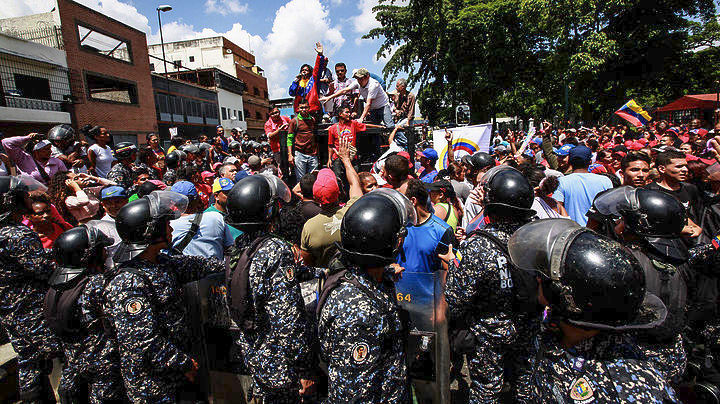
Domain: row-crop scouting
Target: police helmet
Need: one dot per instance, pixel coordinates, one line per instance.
(481, 160)
(13, 194)
(75, 249)
(654, 215)
(172, 160)
(60, 132)
(374, 227)
(143, 222)
(252, 202)
(204, 146)
(507, 193)
(124, 150)
(590, 280)
(191, 149)
(234, 145)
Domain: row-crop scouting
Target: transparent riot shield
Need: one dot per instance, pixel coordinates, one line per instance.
(428, 349)
(212, 330)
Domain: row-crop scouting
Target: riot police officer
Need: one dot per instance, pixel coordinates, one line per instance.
(73, 310)
(24, 271)
(144, 304)
(122, 172)
(264, 294)
(595, 290)
(64, 146)
(361, 330)
(489, 296)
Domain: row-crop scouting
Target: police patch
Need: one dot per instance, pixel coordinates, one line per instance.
(290, 274)
(134, 307)
(581, 391)
(360, 352)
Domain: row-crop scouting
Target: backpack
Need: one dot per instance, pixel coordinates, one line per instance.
(524, 282)
(237, 283)
(60, 309)
(669, 283)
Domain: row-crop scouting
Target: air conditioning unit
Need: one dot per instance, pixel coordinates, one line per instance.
(228, 50)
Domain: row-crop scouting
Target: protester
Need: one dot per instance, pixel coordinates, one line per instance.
(100, 155)
(38, 164)
(302, 140)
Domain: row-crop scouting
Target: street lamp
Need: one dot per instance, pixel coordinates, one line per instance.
(165, 8)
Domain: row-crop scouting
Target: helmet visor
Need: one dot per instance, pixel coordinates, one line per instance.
(403, 204)
(540, 245)
(616, 200)
(167, 204)
(279, 188)
(102, 232)
(30, 183)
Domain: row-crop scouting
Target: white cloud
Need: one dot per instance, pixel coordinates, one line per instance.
(366, 20)
(17, 8)
(225, 7)
(336, 2)
(120, 11)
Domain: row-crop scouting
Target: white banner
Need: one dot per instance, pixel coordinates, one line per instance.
(466, 140)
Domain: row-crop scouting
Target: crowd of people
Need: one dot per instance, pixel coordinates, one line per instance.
(578, 265)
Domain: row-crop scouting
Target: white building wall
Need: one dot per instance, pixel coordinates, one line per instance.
(231, 102)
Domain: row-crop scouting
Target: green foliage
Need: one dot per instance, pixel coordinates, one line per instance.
(517, 57)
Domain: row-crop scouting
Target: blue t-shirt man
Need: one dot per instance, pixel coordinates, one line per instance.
(423, 243)
(428, 158)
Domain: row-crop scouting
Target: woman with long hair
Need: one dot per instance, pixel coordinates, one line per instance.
(100, 154)
(445, 202)
(76, 196)
(42, 221)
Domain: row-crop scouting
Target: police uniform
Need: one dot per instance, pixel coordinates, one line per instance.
(170, 176)
(361, 339)
(481, 295)
(606, 368)
(121, 175)
(148, 316)
(94, 358)
(24, 270)
(277, 350)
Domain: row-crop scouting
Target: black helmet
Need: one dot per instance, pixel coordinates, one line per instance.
(74, 250)
(191, 149)
(143, 221)
(654, 215)
(252, 202)
(60, 132)
(234, 145)
(373, 228)
(482, 160)
(172, 160)
(507, 193)
(204, 146)
(124, 150)
(13, 193)
(589, 279)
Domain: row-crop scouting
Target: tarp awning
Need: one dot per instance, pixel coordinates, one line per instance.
(696, 101)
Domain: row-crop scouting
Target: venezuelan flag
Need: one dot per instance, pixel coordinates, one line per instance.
(634, 113)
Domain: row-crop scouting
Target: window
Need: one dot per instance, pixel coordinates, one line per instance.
(192, 58)
(236, 115)
(224, 113)
(32, 87)
(256, 91)
(266, 94)
(177, 64)
(152, 67)
(246, 114)
(258, 115)
(93, 41)
(103, 88)
(210, 110)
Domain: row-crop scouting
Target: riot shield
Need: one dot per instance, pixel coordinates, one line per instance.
(428, 349)
(212, 330)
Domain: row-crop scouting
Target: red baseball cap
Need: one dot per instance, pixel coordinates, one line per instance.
(326, 189)
(407, 157)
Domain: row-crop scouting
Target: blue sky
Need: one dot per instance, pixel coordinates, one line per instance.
(280, 33)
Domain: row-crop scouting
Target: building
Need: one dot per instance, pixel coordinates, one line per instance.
(34, 87)
(107, 66)
(222, 54)
(192, 109)
(285, 105)
(689, 107)
(229, 92)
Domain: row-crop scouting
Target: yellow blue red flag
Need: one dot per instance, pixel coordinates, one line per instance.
(634, 113)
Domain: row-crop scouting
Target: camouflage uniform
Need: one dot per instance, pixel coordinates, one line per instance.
(170, 176)
(277, 350)
(24, 270)
(362, 340)
(93, 358)
(149, 322)
(480, 295)
(607, 368)
(121, 175)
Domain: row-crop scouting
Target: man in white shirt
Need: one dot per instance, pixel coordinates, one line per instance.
(377, 103)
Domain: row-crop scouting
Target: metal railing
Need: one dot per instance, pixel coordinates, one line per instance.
(32, 84)
(48, 36)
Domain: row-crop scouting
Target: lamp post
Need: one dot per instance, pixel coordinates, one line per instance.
(165, 8)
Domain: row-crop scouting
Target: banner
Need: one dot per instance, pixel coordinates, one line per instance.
(466, 140)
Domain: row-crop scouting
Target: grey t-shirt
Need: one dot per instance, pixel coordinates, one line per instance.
(212, 237)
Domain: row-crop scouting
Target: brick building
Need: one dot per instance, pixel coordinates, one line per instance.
(109, 72)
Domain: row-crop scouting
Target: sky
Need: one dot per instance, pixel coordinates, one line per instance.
(280, 33)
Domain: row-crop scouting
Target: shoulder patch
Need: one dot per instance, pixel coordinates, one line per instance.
(360, 352)
(581, 391)
(134, 306)
(290, 274)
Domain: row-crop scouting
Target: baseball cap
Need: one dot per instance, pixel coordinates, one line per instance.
(191, 149)
(222, 184)
(580, 152)
(207, 174)
(254, 160)
(407, 156)
(113, 191)
(219, 126)
(326, 189)
(41, 144)
(430, 153)
(230, 160)
(361, 72)
(441, 185)
(564, 150)
(597, 168)
(185, 188)
(216, 165)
